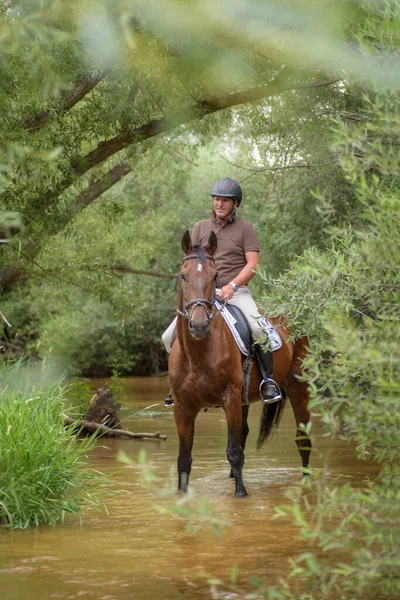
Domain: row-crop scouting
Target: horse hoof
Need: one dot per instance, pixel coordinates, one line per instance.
(241, 494)
(306, 480)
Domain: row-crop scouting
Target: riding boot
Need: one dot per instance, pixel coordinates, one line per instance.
(269, 390)
(169, 401)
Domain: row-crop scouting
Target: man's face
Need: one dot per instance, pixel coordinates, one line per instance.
(223, 206)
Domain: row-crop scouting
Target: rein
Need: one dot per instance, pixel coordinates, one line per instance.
(208, 305)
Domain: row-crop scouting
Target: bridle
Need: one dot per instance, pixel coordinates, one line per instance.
(209, 305)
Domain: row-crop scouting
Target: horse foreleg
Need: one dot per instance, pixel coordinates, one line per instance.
(245, 431)
(234, 451)
(185, 427)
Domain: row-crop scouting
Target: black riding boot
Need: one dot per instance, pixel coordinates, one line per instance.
(169, 401)
(269, 390)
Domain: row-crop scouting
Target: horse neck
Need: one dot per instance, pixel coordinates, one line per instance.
(197, 349)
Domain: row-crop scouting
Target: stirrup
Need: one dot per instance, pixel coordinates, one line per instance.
(169, 401)
(271, 395)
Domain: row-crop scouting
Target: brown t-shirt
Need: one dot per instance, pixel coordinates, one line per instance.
(234, 240)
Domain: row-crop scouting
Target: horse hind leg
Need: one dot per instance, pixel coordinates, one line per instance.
(245, 432)
(185, 428)
(298, 393)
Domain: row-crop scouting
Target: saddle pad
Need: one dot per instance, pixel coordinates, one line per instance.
(230, 320)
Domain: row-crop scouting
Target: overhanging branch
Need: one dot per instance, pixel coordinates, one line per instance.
(97, 187)
(280, 85)
(70, 98)
(280, 168)
(130, 271)
(157, 126)
(128, 137)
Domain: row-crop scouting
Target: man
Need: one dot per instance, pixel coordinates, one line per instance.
(236, 259)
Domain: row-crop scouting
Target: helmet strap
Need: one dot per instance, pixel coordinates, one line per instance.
(232, 218)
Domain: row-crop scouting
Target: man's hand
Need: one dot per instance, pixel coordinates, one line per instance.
(226, 292)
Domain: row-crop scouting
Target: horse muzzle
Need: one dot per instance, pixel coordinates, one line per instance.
(199, 330)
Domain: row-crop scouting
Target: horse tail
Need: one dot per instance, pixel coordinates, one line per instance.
(270, 418)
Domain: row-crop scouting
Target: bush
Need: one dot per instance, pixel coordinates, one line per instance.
(42, 464)
(348, 301)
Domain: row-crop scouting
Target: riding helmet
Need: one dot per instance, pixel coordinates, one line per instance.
(227, 188)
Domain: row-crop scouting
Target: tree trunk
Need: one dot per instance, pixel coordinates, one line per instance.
(103, 409)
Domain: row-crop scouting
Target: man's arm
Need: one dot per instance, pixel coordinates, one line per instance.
(242, 278)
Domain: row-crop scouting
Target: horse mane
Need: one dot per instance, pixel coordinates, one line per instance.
(199, 251)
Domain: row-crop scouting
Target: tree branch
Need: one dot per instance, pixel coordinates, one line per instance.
(10, 276)
(79, 91)
(186, 159)
(157, 126)
(345, 115)
(279, 168)
(118, 433)
(125, 269)
(97, 187)
(280, 85)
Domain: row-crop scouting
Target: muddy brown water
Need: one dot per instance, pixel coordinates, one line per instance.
(139, 552)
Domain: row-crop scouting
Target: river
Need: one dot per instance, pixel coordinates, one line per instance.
(138, 551)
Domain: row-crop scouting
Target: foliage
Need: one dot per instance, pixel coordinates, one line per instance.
(85, 334)
(145, 107)
(43, 471)
(133, 81)
(325, 158)
(116, 385)
(345, 296)
(77, 395)
(91, 315)
(347, 300)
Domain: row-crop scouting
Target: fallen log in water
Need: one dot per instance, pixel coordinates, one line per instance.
(92, 427)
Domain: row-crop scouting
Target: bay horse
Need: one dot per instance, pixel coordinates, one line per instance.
(205, 369)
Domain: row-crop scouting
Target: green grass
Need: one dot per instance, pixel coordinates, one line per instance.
(43, 470)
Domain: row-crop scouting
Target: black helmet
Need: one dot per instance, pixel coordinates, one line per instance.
(227, 188)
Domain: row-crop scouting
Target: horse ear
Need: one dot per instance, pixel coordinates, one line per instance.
(186, 242)
(212, 243)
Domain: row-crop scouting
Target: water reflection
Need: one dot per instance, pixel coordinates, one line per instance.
(138, 552)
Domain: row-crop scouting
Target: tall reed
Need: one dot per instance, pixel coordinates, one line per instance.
(43, 466)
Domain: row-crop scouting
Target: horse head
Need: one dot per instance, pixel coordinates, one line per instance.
(198, 282)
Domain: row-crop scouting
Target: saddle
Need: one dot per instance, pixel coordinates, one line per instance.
(243, 336)
(241, 330)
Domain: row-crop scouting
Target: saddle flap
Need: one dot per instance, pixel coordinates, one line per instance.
(242, 326)
(241, 330)
(238, 325)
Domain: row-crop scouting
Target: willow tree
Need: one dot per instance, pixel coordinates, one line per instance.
(85, 86)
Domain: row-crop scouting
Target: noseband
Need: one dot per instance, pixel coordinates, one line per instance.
(208, 305)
